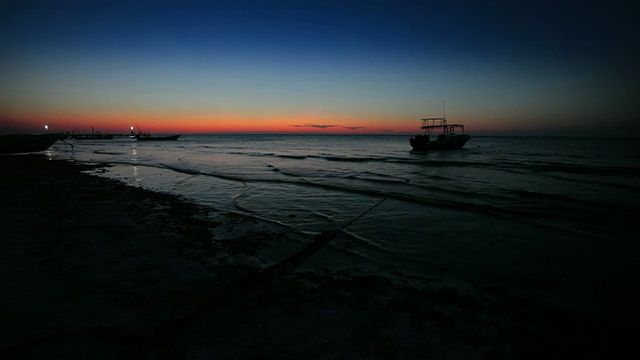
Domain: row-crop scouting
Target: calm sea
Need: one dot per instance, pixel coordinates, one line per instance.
(526, 207)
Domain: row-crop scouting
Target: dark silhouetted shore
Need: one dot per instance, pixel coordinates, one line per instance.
(91, 268)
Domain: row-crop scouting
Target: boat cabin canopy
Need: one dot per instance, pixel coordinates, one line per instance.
(431, 124)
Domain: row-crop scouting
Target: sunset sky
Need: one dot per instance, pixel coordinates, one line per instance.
(503, 67)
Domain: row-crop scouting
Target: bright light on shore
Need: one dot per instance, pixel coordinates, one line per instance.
(46, 127)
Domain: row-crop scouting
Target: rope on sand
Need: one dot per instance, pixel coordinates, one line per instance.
(68, 143)
(319, 241)
(365, 213)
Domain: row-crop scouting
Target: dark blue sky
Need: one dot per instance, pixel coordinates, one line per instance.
(502, 65)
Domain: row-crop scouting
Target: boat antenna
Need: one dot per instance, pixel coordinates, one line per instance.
(444, 115)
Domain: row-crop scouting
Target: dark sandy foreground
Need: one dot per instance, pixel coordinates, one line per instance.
(91, 268)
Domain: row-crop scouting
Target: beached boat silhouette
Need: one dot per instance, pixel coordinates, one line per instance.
(26, 143)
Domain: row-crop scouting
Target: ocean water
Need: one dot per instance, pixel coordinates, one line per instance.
(519, 208)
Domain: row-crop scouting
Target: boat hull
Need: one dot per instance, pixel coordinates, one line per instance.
(156, 138)
(449, 143)
(27, 143)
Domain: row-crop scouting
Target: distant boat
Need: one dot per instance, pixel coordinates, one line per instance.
(93, 136)
(449, 136)
(26, 143)
(147, 137)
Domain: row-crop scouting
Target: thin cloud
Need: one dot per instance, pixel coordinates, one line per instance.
(353, 127)
(318, 126)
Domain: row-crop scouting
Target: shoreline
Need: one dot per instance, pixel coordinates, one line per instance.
(96, 268)
(83, 250)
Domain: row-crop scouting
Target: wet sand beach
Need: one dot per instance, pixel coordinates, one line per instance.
(91, 268)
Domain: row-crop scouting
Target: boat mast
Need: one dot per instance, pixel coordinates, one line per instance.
(445, 128)
(443, 109)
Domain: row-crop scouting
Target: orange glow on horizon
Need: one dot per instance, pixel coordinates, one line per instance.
(121, 123)
(219, 122)
(206, 123)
